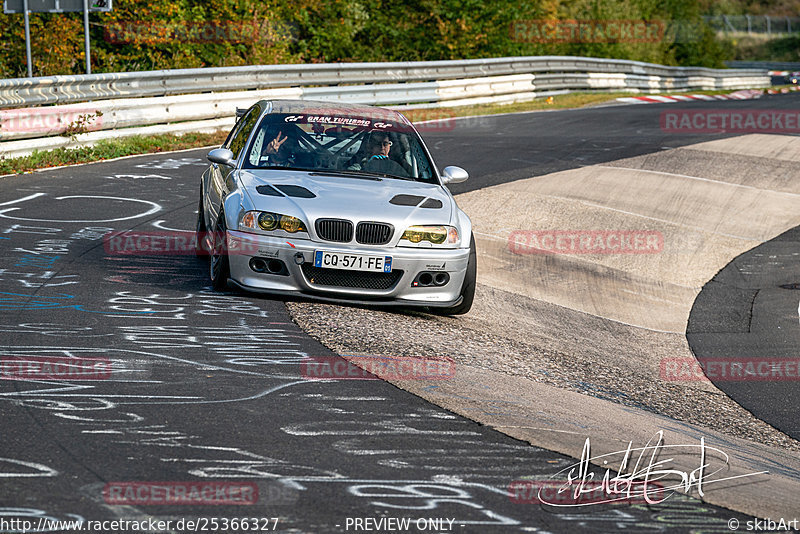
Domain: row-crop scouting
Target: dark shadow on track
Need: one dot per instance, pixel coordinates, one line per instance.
(745, 323)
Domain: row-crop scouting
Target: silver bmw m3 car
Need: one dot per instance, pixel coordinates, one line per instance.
(335, 202)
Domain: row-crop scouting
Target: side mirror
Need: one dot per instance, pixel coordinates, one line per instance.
(223, 156)
(454, 175)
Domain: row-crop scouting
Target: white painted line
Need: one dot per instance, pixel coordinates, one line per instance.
(701, 179)
(154, 209)
(160, 225)
(29, 197)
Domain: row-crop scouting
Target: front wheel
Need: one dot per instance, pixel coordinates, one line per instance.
(467, 288)
(220, 268)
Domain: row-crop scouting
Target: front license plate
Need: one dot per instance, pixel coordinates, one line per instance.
(352, 262)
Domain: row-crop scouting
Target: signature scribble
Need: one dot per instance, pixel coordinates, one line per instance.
(641, 474)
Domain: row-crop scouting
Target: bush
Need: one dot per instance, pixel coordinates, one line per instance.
(145, 35)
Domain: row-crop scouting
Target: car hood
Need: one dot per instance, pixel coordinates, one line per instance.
(398, 202)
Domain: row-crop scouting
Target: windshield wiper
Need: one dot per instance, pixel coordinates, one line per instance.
(354, 174)
(340, 172)
(283, 168)
(361, 174)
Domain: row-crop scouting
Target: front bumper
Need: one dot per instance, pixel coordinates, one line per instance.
(327, 285)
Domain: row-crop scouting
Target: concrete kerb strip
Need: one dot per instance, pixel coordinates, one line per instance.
(560, 421)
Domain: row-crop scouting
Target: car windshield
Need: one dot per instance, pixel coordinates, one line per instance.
(340, 143)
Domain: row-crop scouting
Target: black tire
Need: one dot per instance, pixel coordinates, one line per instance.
(200, 247)
(219, 266)
(467, 288)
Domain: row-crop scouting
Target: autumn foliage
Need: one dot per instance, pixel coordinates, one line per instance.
(151, 35)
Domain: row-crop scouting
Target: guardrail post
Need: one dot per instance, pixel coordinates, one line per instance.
(27, 37)
(86, 36)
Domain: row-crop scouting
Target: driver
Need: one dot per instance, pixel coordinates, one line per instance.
(377, 159)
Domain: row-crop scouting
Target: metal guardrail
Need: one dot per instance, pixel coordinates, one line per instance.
(18, 92)
(180, 98)
(765, 65)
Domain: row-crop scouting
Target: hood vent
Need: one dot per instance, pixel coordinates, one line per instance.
(295, 191)
(268, 190)
(406, 200)
(414, 200)
(432, 203)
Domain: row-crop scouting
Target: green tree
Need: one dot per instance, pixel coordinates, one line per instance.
(146, 35)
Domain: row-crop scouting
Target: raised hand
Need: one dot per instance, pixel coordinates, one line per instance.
(275, 145)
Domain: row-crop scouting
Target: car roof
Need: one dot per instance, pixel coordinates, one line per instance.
(338, 108)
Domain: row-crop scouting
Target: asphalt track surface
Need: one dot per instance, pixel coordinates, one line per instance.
(208, 386)
(500, 149)
(748, 313)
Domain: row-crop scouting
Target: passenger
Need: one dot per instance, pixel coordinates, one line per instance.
(279, 153)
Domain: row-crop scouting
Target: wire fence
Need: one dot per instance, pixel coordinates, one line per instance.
(754, 24)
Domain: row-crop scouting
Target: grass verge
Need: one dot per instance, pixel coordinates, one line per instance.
(108, 149)
(127, 146)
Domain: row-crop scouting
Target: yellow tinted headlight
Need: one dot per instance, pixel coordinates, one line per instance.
(415, 234)
(292, 224)
(434, 234)
(268, 221)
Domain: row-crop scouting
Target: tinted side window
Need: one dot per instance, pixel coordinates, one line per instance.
(246, 125)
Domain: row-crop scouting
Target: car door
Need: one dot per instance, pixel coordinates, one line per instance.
(221, 176)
